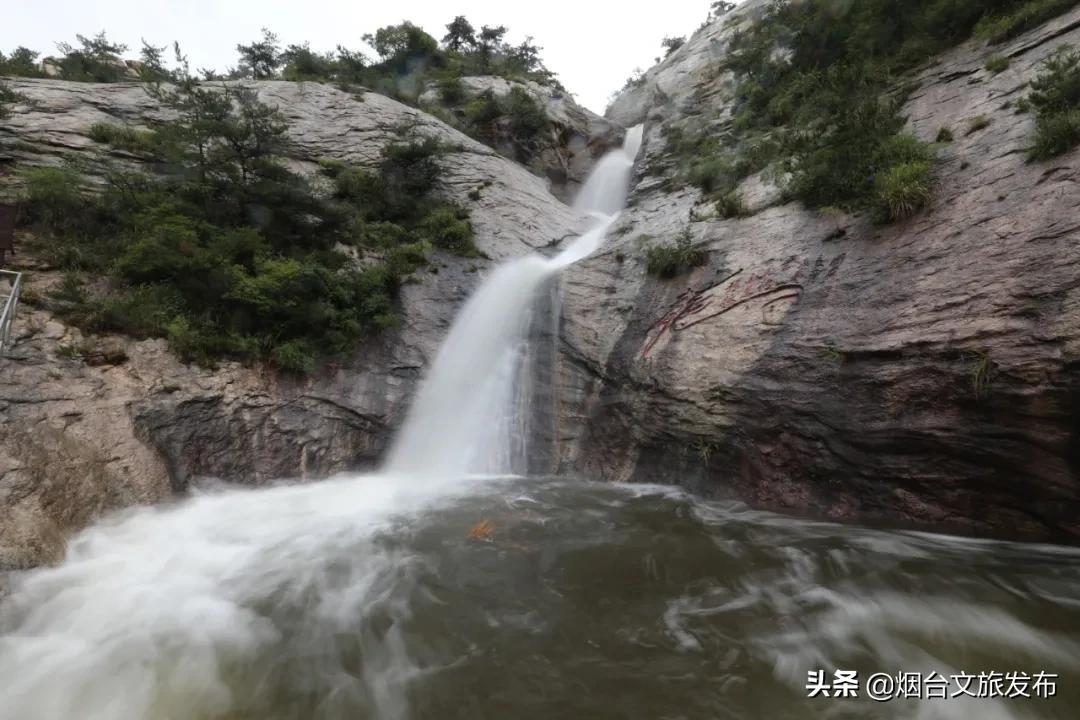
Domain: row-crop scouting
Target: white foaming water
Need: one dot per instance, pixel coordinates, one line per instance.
(462, 415)
(182, 611)
(153, 613)
(605, 190)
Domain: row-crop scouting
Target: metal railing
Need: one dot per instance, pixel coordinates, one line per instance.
(9, 303)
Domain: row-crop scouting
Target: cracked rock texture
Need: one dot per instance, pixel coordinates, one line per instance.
(922, 374)
(79, 437)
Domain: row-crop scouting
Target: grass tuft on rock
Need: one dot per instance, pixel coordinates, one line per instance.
(997, 64)
(122, 137)
(902, 190)
(977, 123)
(668, 260)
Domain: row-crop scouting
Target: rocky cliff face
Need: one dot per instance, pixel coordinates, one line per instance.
(925, 373)
(80, 435)
(575, 140)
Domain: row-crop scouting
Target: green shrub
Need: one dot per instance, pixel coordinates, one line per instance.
(997, 64)
(1055, 97)
(816, 94)
(977, 123)
(1057, 86)
(902, 190)
(449, 228)
(902, 148)
(53, 198)
(406, 258)
(671, 44)
(95, 60)
(295, 356)
(731, 205)
(230, 254)
(527, 121)
(122, 137)
(451, 90)
(8, 97)
(409, 168)
(364, 189)
(142, 311)
(670, 260)
(23, 62)
(944, 135)
(1055, 134)
(482, 113)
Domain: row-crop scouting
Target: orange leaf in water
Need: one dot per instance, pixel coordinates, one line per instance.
(482, 530)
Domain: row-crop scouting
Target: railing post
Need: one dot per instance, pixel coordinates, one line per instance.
(7, 310)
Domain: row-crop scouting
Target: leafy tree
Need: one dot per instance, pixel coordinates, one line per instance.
(671, 44)
(720, 8)
(400, 43)
(22, 63)
(1057, 87)
(1055, 97)
(301, 63)
(152, 69)
(261, 59)
(490, 42)
(528, 121)
(525, 59)
(96, 60)
(460, 35)
(350, 65)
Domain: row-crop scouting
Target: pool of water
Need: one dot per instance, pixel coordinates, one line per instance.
(528, 598)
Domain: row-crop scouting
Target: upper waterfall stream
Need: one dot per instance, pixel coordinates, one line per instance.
(447, 586)
(463, 416)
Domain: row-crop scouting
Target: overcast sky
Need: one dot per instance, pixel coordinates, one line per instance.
(593, 46)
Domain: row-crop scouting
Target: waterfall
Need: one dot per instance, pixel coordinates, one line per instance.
(467, 417)
(259, 600)
(605, 189)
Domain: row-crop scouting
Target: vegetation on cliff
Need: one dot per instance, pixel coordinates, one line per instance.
(406, 57)
(667, 260)
(1055, 96)
(409, 60)
(819, 87)
(7, 97)
(225, 250)
(514, 123)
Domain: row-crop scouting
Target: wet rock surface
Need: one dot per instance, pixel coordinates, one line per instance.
(923, 374)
